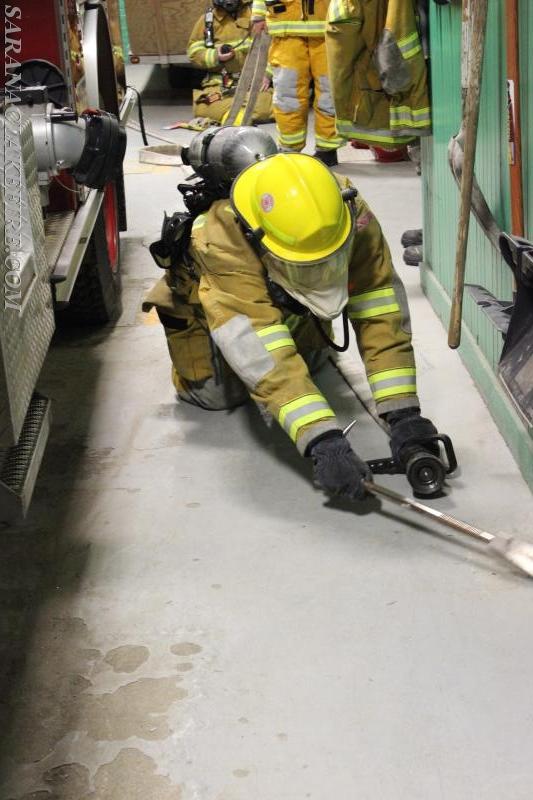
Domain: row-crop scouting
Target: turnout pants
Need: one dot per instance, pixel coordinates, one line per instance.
(212, 103)
(296, 62)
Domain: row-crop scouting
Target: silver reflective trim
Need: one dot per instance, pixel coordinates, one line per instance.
(303, 411)
(325, 100)
(377, 302)
(285, 89)
(393, 71)
(399, 380)
(243, 350)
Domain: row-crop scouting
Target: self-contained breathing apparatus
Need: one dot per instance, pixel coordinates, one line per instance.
(217, 155)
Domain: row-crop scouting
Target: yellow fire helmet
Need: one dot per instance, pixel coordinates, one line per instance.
(302, 226)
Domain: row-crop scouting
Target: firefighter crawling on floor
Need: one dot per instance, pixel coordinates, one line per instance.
(219, 42)
(275, 247)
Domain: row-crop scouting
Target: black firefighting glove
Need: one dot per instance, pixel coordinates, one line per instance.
(336, 468)
(409, 432)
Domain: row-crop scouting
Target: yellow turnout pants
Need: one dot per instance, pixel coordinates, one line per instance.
(296, 61)
(221, 104)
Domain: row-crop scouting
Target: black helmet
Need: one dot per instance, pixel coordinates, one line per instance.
(231, 6)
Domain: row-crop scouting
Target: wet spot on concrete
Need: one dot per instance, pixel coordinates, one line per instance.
(127, 658)
(132, 775)
(185, 667)
(241, 773)
(136, 709)
(185, 649)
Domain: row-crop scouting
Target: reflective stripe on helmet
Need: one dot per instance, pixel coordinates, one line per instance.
(392, 382)
(297, 413)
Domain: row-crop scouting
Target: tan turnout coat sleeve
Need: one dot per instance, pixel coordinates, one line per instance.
(250, 331)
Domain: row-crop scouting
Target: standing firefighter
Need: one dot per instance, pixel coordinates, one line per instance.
(378, 71)
(219, 42)
(286, 250)
(297, 59)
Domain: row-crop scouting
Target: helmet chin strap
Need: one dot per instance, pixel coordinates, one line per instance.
(340, 348)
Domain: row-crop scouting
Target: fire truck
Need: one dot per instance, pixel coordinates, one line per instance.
(65, 105)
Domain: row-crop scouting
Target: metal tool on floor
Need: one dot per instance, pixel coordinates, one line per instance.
(516, 551)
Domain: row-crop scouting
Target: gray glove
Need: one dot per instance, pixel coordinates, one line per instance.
(336, 468)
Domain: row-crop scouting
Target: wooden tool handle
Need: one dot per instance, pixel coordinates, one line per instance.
(471, 118)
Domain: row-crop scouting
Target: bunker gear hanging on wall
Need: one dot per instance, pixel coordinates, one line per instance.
(297, 57)
(378, 71)
(230, 312)
(215, 28)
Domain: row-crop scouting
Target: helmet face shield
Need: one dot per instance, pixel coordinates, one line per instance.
(303, 227)
(321, 286)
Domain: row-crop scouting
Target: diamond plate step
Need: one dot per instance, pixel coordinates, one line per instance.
(56, 228)
(19, 465)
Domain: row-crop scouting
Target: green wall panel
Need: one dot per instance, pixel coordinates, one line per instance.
(526, 64)
(441, 194)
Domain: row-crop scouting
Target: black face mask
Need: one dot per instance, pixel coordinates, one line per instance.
(230, 6)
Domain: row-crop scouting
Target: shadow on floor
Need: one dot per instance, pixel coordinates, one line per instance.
(42, 567)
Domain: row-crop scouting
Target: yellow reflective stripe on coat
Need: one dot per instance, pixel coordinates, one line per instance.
(276, 336)
(392, 382)
(372, 304)
(194, 47)
(349, 130)
(301, 28)
(404, 116)
(211, 57)
(409, 45)
(309, 408)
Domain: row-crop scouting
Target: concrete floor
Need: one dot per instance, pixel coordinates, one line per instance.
(184, 617)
